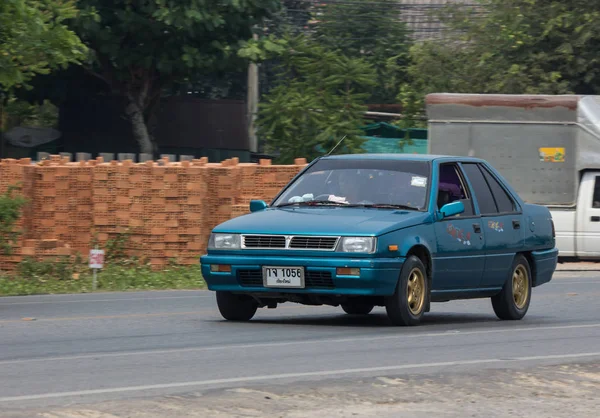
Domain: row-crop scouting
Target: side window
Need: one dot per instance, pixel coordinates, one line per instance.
(484, 196)
(451, 188)
(596, 199)
(503, 200)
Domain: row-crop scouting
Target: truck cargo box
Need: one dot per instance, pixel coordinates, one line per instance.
(539, 143)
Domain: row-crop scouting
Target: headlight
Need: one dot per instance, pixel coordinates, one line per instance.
(358, 245)
(224, 241)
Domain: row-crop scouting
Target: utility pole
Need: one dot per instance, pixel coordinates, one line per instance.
(252, 103)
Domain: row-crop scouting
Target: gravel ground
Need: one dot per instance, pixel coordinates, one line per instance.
(568, 391)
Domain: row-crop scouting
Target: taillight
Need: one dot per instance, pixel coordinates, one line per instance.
(553, 230)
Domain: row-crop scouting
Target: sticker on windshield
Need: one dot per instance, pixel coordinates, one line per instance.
(419, 181)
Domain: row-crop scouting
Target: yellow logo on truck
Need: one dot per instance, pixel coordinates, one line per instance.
(552, 155)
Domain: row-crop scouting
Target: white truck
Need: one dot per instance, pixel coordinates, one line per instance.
(547, 147)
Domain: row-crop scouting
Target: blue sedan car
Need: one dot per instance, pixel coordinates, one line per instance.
(398, 231)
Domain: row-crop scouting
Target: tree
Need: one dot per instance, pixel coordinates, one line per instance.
(318, 100)
(140, 48)
(34, 39)
(372, 30)
(513, 47)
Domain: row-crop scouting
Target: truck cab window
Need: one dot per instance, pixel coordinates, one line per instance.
(596, 199)
(451, 188)
(485, 199)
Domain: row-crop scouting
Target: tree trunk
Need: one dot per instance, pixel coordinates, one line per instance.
(139, 128)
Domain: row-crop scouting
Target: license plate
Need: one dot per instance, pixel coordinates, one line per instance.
(290, 277)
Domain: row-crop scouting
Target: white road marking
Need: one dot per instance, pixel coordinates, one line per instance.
(452, 333)
(322, 373)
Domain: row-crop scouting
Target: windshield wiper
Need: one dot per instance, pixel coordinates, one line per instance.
(385, 206)
(313, 203)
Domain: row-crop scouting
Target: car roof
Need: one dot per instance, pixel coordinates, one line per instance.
(402, 157)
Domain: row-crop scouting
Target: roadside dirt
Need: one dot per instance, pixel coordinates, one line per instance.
(578, 266)
(567, 391)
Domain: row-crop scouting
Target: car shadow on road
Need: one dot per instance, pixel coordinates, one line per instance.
(371, 320)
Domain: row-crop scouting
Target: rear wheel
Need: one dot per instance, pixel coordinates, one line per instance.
(236, 307)
(358, 307)
(409, 302)
(513, 301)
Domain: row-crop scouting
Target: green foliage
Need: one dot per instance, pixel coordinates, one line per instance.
(516, 47)
(21, 113)
(65, 276)
(116, 248)
(372, 30)
(60, 269)
(140, 51)
(34, 39)
(318, 100)
(10, 212)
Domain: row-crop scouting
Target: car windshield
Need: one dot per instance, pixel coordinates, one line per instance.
(368, 182)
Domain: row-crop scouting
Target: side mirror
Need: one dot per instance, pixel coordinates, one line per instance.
(258, 205)
(452, 209)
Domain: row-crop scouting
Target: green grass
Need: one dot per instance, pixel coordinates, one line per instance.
(38, 278)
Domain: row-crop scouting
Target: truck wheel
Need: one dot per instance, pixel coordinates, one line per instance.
(358, 307)
(513, 301)
(407, 305)
(236, 307)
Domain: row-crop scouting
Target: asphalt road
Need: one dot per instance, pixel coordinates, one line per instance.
(69, 349)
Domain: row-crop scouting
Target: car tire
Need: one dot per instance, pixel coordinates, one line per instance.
(512, 303)
(236, 307)
(358, 307)
(408, 303)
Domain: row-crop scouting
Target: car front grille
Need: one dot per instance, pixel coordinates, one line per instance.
(264, 241)
(286, 242)
(312, 279)
(313, 243)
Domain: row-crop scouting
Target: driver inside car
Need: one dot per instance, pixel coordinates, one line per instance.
(352, 188)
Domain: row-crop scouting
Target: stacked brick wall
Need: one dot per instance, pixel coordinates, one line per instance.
(166, 209)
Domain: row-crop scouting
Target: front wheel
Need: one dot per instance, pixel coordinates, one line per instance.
(513, 301)
(407, 305)
(236, 307)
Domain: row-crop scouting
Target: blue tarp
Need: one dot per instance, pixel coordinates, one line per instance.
(374, 145)
(383, 137)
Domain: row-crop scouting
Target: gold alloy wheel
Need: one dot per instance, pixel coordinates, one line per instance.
(415, 290)
(520, 284)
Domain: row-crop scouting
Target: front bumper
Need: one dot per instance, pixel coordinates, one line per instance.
(378, 276)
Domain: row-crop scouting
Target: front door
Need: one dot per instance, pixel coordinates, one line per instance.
(589, 217)
(459, 261)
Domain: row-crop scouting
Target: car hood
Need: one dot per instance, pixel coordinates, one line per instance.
(324, 221)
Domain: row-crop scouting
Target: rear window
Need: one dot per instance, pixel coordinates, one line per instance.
(503, 200)
(483, 194)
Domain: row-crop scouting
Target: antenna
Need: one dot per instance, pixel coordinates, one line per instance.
(336, 145)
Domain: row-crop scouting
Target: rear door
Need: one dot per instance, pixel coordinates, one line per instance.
(588, 211)
(502, 220)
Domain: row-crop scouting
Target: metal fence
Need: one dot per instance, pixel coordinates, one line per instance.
(420, 16)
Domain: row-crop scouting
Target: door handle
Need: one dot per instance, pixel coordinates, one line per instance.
(595, 219)
(477, 228)
(516, 225)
